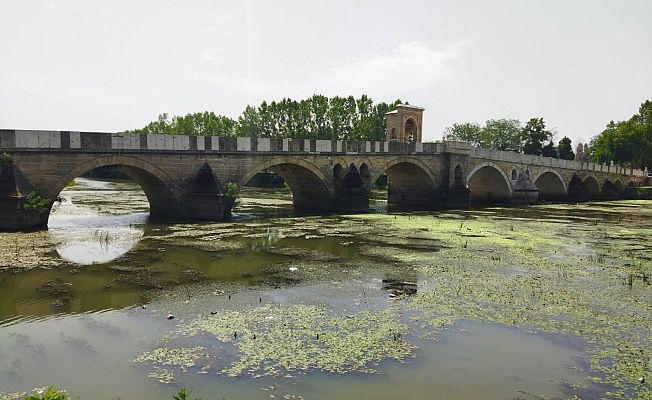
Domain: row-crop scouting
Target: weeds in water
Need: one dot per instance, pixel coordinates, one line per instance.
(562, 272)
(495, 257)
(183, 395)
(466, 244)
(630, 280)
(48, 394)
(598, 258)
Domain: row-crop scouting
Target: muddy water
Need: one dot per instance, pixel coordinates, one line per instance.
(498, 303)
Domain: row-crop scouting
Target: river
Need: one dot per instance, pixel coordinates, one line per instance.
(544, 301)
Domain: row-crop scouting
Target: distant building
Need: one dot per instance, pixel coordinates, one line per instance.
(405, 123)
(581, 152)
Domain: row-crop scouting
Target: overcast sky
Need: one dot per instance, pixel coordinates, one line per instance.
(115, 65)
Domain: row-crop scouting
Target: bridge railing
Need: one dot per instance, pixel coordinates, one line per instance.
(99, 141)
(519, 158)
(126, 142)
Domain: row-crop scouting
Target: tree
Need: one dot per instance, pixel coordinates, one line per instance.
(467, 132)
(626, 142)
(249, 123)
(317, 117)
(549, 150)
(565, 149)
(534, 134)
(504, 134)
(498, 134)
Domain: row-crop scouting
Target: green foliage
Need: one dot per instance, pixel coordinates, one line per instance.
(626, 142)
(549, 150)
(467, 132)
(497, 134)
(49, 394)
(565, 149)
(317, 117)
(35, 203)
(534, 134)
(505, 134)
(198, 124)
(5, 159)
(183, 395)
(231, 191)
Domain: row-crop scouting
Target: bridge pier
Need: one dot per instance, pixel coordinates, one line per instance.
(17, 210)
(525, 192)
(205, 198)
(14, 218)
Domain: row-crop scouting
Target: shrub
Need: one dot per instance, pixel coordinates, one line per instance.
(183, 395)
(48, 394)
(35, 203)
(231, 191)
(5, 159)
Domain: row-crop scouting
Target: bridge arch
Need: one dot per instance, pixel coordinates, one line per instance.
(487, 182)
(551, 185)
(161, 192)
(411, 182)
(592, 186)
(311, 188)
(612, 190)
(620, 186)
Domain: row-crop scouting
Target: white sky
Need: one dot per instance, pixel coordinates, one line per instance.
(115, 65)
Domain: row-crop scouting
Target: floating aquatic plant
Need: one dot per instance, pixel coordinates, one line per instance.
(276, 339)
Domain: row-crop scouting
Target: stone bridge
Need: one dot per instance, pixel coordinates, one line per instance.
(197, 177)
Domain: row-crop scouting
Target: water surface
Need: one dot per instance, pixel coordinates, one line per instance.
(487, 303)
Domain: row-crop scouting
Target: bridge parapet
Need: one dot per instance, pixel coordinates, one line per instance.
(108, 142)
(519, 158)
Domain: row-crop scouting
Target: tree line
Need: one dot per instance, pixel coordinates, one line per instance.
(318, 117)
(627, 143)
(511, 135)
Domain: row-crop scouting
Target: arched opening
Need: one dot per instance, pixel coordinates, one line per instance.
(155, 184)
(458, 175)
(338, 172)
(352, 182)
(514, 175)
(409, 184)
(551, 186)
(610, 190)
(631, 184)
(352, 191)
(393, 134)
(410, 130)
(619, 186)
(488, 185)
(102, 205)
(364, 172)
(592, 187)
(307, 186)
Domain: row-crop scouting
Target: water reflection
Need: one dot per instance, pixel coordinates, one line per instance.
(98, 221)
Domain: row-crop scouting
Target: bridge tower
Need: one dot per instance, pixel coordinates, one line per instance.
(405, 123)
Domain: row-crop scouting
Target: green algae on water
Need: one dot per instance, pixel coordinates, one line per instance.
(552, 275)
(286, 339)
(183, 357)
